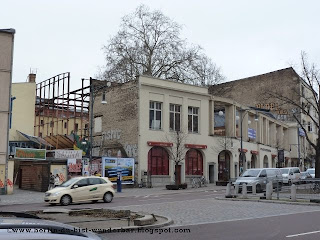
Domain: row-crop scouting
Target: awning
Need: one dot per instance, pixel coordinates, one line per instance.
(37, 140)
(160, 144)
(60, 141)
(196, 146)
(243, 150)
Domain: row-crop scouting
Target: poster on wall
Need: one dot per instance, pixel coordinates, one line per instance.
(85, 167)
(111, 166)
(61, 170)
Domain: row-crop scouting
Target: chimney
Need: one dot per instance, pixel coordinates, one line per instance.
(32, 77)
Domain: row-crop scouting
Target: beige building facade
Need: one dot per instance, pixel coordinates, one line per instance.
(6, 61)
(140, 118)
(23, 108)
(261, 92)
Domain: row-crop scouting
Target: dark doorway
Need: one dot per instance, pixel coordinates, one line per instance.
(224, 166)
(20, 177)
(211, 173)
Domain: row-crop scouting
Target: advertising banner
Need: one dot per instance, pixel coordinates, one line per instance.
(68, 154)
(252, 133)
(111, 166)
(30, 153)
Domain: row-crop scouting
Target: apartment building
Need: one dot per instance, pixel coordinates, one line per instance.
(6, 62)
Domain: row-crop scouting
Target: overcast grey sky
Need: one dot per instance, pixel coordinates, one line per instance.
(244, 37)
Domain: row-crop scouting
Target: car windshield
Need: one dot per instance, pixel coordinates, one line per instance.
(251, 173)
(311, 171)
(69, 182)
(284, 171)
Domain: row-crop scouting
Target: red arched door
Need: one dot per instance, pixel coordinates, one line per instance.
(158, 161)
(194, 162)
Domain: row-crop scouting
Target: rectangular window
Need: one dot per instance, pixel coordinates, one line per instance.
(65, 124)
(51, 124)
(41, 122)
(193, 119)
(310, 126)
(155, 115)
(76, 127)
(175, 117)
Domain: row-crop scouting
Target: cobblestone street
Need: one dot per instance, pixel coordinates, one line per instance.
(211, 210)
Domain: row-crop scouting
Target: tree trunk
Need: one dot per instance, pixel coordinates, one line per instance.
(176, 173)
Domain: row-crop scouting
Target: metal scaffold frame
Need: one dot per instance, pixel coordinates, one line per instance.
(59, 111)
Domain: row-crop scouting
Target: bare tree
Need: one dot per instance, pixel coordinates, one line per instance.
(223, 143)
(305, 101)
(149, 43)
(177, 152)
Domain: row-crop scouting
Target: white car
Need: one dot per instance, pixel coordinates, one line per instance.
(290, 175)
(80, 189)
(312, 172)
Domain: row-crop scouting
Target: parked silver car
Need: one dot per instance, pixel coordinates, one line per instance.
(290, 175)
(259, 176)
(312, 172)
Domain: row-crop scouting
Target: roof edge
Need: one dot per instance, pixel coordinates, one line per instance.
(8, 30)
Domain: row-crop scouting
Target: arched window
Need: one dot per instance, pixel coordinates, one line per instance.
(158, 161)
(194, 162)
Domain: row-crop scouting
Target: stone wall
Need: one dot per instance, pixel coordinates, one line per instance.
(118, 120)
(254, 91)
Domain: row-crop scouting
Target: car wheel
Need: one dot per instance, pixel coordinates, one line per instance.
(65, 200)
(258, 188)
(107, 197)
(94, 201)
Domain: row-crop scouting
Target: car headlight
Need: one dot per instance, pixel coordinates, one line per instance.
(47, 194)
(56, 194)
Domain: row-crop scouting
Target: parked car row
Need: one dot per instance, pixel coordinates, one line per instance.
(279, 176)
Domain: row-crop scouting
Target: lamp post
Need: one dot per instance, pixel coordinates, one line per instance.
(245, 111)
(94, 90)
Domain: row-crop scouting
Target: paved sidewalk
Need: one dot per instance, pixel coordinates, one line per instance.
(20, 196)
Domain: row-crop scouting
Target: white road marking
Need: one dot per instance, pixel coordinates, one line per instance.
(301, 234)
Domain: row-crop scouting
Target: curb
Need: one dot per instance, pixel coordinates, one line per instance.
(180, 191)
(168, 222)
(118, 195)
(269, 201)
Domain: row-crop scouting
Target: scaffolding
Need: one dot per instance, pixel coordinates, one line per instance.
(60, 112)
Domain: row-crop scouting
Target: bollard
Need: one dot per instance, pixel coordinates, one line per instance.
(269, 191)
(293, 193)
(254, 188)
(244, 190)
(236, 189)
(119, 184)
(228, 190)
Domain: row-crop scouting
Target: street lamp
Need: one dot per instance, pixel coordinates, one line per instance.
(245, 111)
(94, 90)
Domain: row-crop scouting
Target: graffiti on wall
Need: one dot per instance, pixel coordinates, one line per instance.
(131, 150)
(114, 134)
